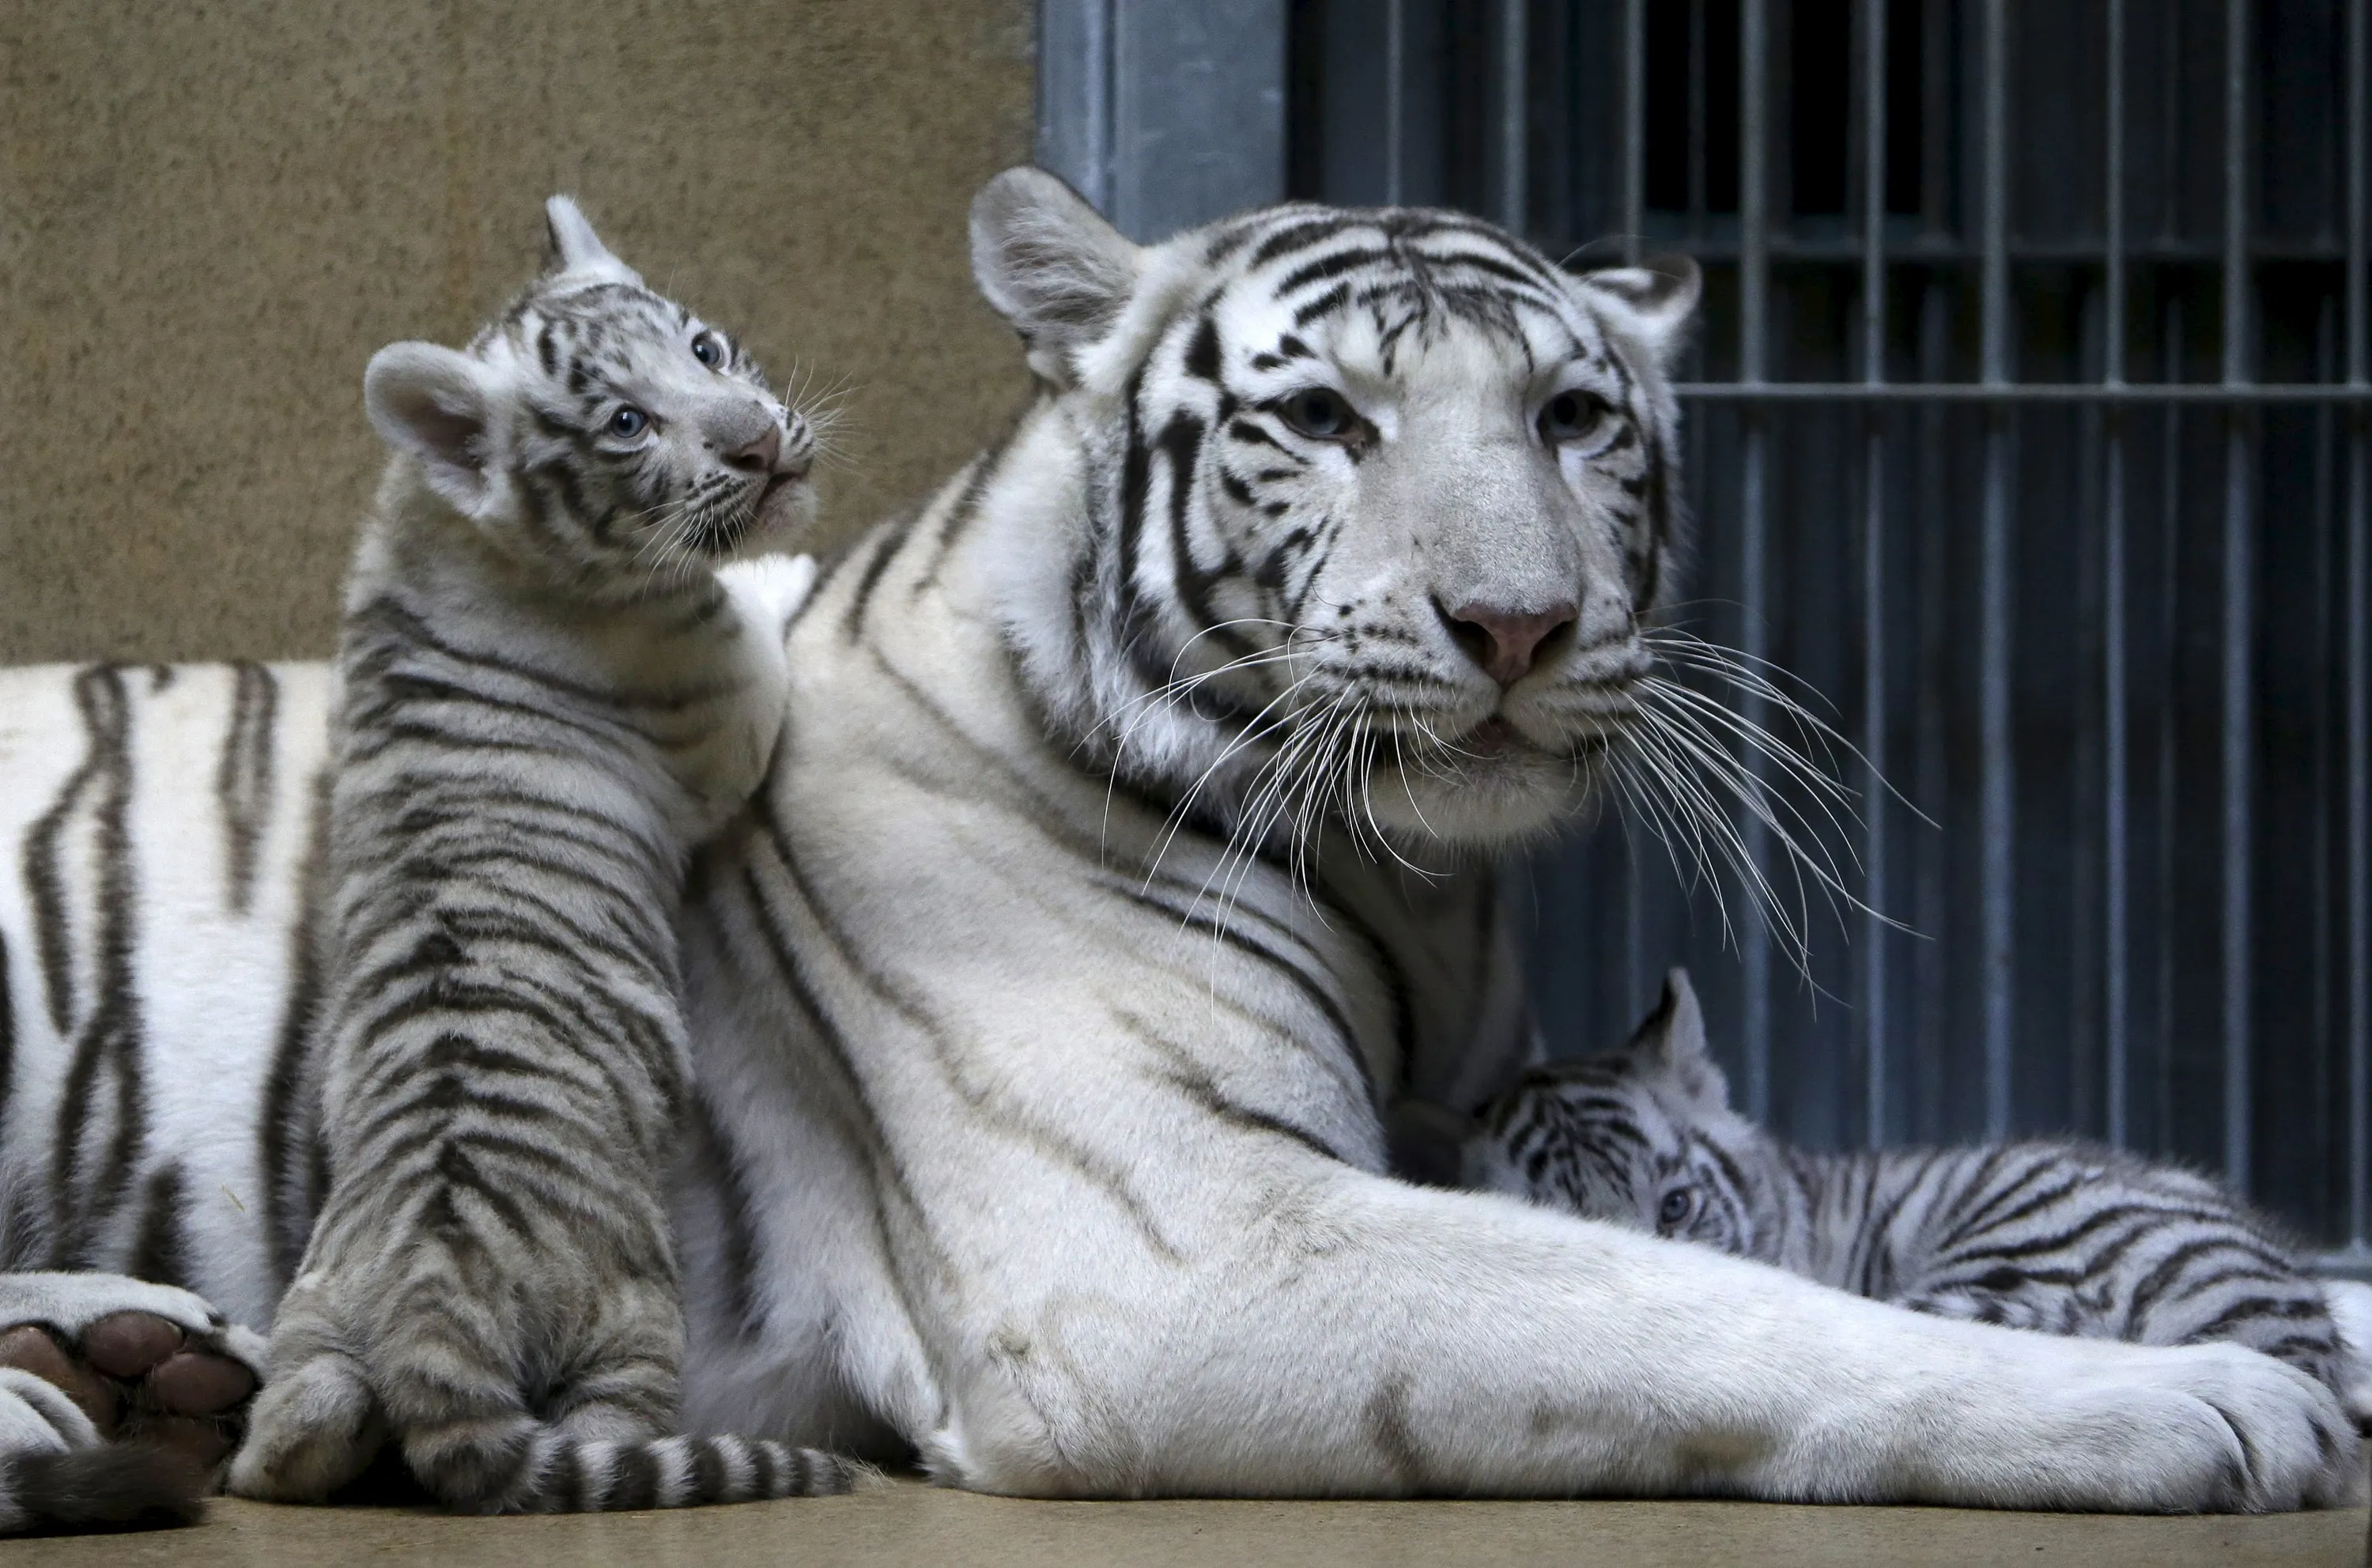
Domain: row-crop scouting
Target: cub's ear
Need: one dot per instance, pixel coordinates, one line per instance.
(1650, 302)
(571, 247)
(1050, 264)
(1672, 1042)
(437, 405)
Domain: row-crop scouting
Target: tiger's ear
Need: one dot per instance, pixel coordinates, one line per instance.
(572, 249)
(437, 405)
(1672, 1042)
(1050, 265)
(1651, 303)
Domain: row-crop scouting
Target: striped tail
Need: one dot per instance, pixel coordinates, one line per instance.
(530, 1468)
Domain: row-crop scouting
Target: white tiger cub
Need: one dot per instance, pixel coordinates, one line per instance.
(547, 701)
(2056, 1236)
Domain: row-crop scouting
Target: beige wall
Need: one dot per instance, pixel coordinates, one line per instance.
(210, 216)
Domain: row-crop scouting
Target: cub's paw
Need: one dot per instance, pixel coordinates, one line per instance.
(316, 1428)
(2223, 1429)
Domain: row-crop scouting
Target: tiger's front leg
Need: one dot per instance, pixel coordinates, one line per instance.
(1320, 1331)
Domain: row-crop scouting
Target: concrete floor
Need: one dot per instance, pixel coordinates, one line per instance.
(905, 1522)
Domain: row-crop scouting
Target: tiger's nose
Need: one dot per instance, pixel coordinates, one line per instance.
(1504, 642)
(759, 455)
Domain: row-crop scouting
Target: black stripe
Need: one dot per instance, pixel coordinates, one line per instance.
(1297, 237)
(634, 1480)
(1047, 1140)
(1325, 304)
(1332, 266)
(158, 1255)
(960, 517)
(763, 1483)
(740, 1240)
(886, 544)
(243, 777)
(287, 1134)
(710, 1480)
(8, 1047)
(1203, 351)
(108, 1041)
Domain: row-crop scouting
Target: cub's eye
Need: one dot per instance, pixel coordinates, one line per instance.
(1676, 1206)
(1321, 413)
(709, 349)
(1572, 416)
(629, 423)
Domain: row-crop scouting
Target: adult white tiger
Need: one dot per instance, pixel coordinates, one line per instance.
(1045, 1133)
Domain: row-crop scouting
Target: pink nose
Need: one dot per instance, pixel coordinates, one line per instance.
(1504, 642)
(758, 455)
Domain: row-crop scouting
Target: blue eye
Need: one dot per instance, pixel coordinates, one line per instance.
(629, 423)
(1320, 413)
(1676, 1206)
(709, 349)
(1572, 416)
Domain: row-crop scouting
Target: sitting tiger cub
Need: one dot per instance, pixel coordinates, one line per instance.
(550, 696)
(2064, 1238)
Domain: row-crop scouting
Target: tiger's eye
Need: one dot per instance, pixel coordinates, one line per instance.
(1572, 416)
(1319, 414)
(1675, 1206)
(629, 423)
(709, 349)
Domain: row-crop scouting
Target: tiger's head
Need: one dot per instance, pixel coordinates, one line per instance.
(597, 432)
(1375, 502)
(1642, 1136)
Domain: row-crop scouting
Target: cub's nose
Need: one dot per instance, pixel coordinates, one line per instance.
(1505, 642)
(759, 455)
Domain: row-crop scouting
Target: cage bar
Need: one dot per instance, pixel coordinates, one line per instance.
(1513, 102)
(2360, 673)
(2239, 605)
(1634, 126)
(1998, 855)
(1395, 106)
(1873, 369)
(2116, 805)
(1753, 282)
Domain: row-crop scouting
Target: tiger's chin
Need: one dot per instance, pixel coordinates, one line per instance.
(1495, 788)
(781, 510)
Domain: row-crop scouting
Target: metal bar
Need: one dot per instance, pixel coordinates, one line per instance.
(1998, 853)
(2116, 804)
(1833, 245)
(1752, 283)
(1514, 99)
(2240, 716)
(2169, 606)
(1634, 125)
(2360, 673)
(2007, 392)
(1699, 143)
(1395, 110)
(1873, 611)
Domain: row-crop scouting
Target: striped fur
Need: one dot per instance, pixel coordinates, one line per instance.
(2063, 1237)
(547, 699)
(1060, 1014)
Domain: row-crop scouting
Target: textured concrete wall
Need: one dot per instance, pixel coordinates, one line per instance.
(210, 216)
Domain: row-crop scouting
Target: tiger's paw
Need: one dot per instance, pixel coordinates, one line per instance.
(119, 1398)
(316, 1428)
